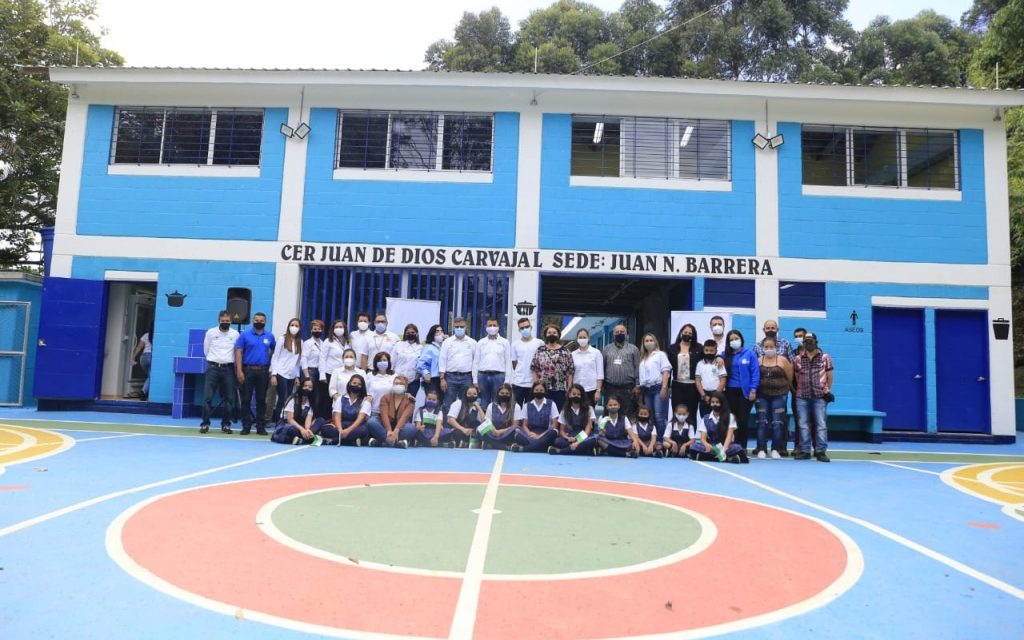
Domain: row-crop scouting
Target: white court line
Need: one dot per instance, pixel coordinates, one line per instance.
(932, 453)
(899, 466)
(469, 593)
(123, 435)
(996, 583)
(985, 477)
(28, 441)
(78, 506)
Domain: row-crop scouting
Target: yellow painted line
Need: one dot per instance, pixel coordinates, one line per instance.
(24, 444)
(989, 482)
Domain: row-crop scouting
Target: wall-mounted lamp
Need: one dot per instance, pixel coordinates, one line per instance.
(287, 131)
(776, 141)
(763, 142)
(74, 92)
(999, 115)
(299, 132)
(760, 142)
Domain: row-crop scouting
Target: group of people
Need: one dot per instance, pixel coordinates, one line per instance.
(533, 394)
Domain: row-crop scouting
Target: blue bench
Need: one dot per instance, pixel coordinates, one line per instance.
(187, 370)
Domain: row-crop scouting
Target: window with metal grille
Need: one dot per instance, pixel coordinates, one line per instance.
(416, 140)
(665, 148)
(880, 157)
(187, 136)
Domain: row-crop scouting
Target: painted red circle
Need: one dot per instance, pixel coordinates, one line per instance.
(205, 545)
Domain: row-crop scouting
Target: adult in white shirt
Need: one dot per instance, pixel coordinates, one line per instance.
(492, 362)
(405, 354)
(332, 352)
(380, 340)
(285, 366)
(219, 351)
(379, 381)
(718, 332)
(341, 376)
(589, 363)
(310, 364)
(523, 351)
(654, 376)
(455, 366)
(359, 337)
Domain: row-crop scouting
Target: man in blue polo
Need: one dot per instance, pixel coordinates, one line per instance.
(253, 350)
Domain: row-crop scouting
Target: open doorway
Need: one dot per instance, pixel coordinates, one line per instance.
(131, 309)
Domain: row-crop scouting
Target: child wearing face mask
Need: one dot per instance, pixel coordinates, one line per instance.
(392, 426)
(499, 429)
(284, 367)
(536, 422)
(645, 430)
(344, 373)
(711, 376)
(430, 429)
(575, 425)
(464, 416)
(298, 425)
(720, 426)
(615, 433)
(677, 436)
(349, 416)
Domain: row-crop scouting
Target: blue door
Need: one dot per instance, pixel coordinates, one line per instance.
(898, 365)
(961, 367)
(72, 327)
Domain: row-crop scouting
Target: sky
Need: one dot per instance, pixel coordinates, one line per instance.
(338, 34)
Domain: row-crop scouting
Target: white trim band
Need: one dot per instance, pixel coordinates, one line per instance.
(884, 193)
(407, 175)
(802, 313)
(183, 171)
(934, 303)
(668, 184)
(131, 276)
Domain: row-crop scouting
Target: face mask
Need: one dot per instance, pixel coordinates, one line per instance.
(735, 345)
(438, 338)
(354, 388)
(349, 362)
(398, 388)
(383, 365)
(551, 338)
(620, 338)
(798, 342)
(259, 325)
(770, 353)
(224, 326)
(412, 337)
(539, 395)
(718, 329)
(363, 325)
(492, 331)
(649, 344)
(306, 390)
(381, 327)
(293, 330)
(680, 417)
(687, 338)
(709, 357)
(460, 331)
(771, 334)
(575, 399)
(430, 404)
(582, 342)
(810, 345)
(716, 408)
(643, 419)
(525, 332)
(338, 331)
(503, 398)
(612, 411)
(470, 398)
(316, 334)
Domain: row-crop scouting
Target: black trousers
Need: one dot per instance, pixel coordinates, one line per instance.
(257, 379)
(521, 395)
(220, 380)
(740, 407)
(685, 394)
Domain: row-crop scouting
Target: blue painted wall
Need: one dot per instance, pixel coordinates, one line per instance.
(174, 206)
(205, 283)
(660, 220)
(12, 337)
(883, 229)
(387, 212)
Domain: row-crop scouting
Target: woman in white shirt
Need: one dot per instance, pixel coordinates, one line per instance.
(331, 354)
(589, 365)
(406, 354)
(284, 366)
(310, 364)
(379, 380)
(341, 375)
(536, 422)
(655, 372)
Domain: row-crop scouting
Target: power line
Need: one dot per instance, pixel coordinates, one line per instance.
(652, 38)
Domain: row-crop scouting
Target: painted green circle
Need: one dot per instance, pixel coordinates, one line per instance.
(537, 530)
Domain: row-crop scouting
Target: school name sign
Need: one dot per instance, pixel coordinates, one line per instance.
(520, 259)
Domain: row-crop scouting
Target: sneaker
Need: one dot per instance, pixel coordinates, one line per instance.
(317, 441)
(402, 444)
(359, 442)
(373, 442)
(775, 455)
(515, 448)
(631, 454)
(784, 453)
(803, 455)
(553, 451)
(204, 428)
(761, 455)
(821, 456)
(597, 451)
(448, 445)
(224, 428)
(245, 431)
(474, 443)
(261, 431)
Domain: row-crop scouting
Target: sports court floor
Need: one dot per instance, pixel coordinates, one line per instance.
(117, 526)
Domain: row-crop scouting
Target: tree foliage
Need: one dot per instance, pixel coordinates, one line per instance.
(33, 35)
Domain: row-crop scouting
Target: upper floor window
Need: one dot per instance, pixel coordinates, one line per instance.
(666, 148)
(880, 157)
(415, 140)
(187, 136)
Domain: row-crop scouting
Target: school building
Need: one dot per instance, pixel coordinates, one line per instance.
(876, 217)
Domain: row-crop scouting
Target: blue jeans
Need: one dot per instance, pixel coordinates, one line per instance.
(771, 410)
(146, 362)
(457, 385)
(377, 430)
(489, 385)
(651, 397)
(807, 408)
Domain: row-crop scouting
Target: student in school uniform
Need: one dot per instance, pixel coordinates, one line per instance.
(646, 433)
(696, 443)
(464, 416)
(310, 364)
(501, 413)
(711, 376)
(341, 375)
(380, 340)
(298, 425)
(721, 425)
(430, 429)
(523, 351)
(405, 354)
(615, 433)
(536, 422)
(430, 357)
(576, 424)
(349, 416)
(332, 353)
(392, 426)
(675, 439)
(285, 366)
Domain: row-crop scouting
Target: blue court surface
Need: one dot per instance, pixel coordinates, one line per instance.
(122, 526)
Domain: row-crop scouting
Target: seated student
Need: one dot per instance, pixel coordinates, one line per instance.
(615, 433)
(499, 430)
(349, 414)
(464, 416)
(575, 425)
(721, 427)
(675, 439)
(298, 425)
(646, 432)
(393, 426)
(343, 373)
(430, 429)
(536, 422)
(696, 442)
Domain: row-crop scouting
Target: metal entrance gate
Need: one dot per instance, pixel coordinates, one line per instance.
(14, 324)
(339, 293)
